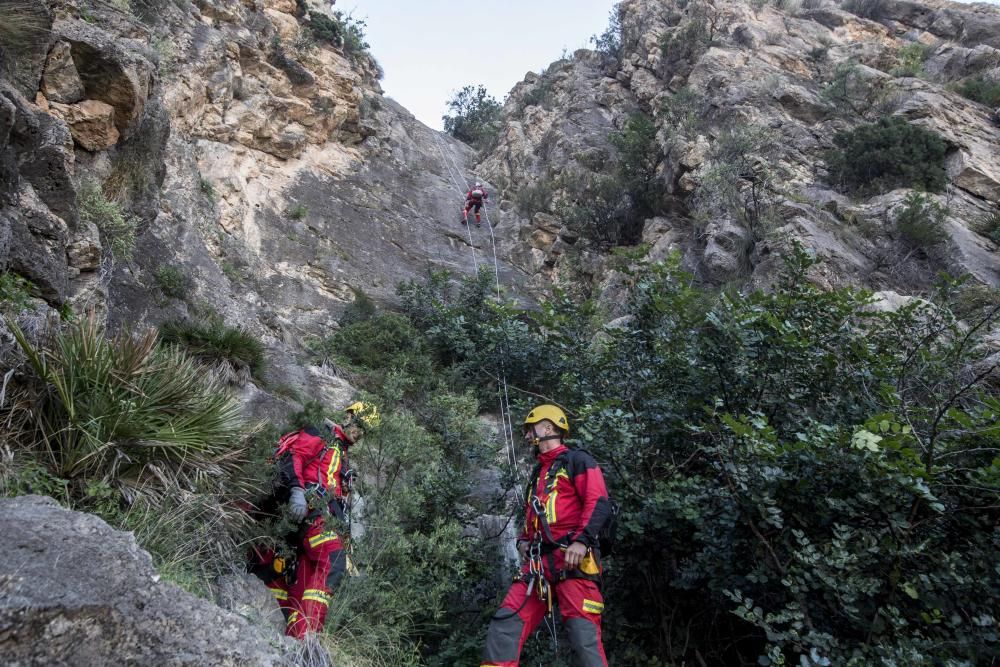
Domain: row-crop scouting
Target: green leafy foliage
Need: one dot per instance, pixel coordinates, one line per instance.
(172, 281)
(341, 30)
(980, 90)
(609, 42)
(887, 154)
(234, 351)
(118, 227)
(610, 209)
(474, 117)
(804, 478)
(920, 222)
(126, 413)
(910, 59)
(15, 293)
(989, 226)
(298, 212)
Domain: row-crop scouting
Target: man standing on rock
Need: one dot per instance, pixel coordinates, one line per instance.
(567, 506)
(319, 479)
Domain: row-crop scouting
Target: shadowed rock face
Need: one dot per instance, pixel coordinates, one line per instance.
(73, 591)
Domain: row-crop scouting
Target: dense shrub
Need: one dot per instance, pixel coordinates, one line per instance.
(125, 413)
(611, 209)
(15, 293)
(805, 480)
(341, 30)
(868, 9)
(890, 153)
(920, 222)
(173, 282)
(989, 226)
(474, 117)
(609, 42)
(118, 228)
(235, 352)
(980, 90)
(23, 26)
(910, 59)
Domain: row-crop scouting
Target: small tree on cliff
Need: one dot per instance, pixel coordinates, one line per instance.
(474, 116)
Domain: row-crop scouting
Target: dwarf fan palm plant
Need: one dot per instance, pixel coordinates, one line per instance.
(130, 412)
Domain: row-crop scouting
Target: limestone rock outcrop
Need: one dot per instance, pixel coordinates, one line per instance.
(714, 73)
(74, 591)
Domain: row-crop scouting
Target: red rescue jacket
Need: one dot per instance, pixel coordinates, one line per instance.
(312, 461)
(477, 195)
(578, 504)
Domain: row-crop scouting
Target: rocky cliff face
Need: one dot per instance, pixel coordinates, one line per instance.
(769, 87)
(254, 158)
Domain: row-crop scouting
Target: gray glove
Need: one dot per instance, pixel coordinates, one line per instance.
(297, 506)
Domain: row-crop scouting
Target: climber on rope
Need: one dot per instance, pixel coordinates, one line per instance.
(476, 198)
(567, 509)
(313, 474)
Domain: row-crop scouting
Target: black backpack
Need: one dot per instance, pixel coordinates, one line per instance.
(607, 533)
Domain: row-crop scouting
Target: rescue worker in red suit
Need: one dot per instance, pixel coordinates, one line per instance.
(318, 470)
(474, 199)
(568, 504)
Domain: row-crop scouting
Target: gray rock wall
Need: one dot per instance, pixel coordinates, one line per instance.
(73, 591)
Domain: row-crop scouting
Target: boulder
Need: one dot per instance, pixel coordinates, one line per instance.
(91, 122)
(74, 591)
(60, 81)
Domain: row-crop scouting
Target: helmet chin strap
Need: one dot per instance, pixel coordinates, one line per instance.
(536, 440)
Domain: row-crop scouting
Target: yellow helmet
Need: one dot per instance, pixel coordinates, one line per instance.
(365, 413)
(550, 412)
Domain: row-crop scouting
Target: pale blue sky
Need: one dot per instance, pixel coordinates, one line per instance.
(431, 48)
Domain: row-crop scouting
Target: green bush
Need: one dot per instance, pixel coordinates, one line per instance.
(536, 196)
(609, 42)
(233, 350)
(980, 90)
(686, 44)
(796, 469)
(474, 117)
(298, 212)
(989, 226)
(890, 153)
(341, 30)
(920, 222)
(127, 413)
(611, 210)
(118, 228)
(15, 293)
(911, 59)
(173, 282)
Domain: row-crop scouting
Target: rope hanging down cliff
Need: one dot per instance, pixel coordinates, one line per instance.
(506, 425)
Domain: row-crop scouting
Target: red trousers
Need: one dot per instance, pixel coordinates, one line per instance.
(469, 206)
(580, 604)
(320, 567)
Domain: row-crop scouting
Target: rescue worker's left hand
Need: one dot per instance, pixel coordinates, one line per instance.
(575, 554)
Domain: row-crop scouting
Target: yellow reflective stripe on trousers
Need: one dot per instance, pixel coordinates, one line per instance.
(293, 618)
(316, 595)
(593, 607)
(278, 593)
(322, 538)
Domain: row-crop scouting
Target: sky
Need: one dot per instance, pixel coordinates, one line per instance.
(431, 48)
